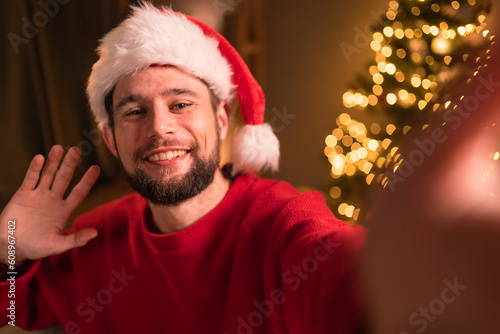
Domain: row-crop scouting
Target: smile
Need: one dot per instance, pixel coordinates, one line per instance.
(165, 156)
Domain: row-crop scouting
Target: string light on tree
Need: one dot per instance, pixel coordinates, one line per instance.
(421, 55)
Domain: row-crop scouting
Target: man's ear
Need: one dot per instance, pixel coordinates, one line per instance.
(222, 117)
(109, 139)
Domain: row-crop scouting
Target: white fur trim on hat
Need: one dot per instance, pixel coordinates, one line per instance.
(153, 36)
(255, 147)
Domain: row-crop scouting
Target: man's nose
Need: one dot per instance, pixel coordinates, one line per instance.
(161, 121)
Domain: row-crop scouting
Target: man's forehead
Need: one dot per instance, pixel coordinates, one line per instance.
(158, 80)
(154, 72)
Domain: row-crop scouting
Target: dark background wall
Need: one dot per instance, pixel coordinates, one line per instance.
(307, 73)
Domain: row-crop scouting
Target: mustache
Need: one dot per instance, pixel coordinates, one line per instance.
(155, 144)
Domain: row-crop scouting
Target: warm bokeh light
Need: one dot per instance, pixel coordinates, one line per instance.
(391, 98)
(440, 45)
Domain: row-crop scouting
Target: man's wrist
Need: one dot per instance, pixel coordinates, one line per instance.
(7, 270)
(10, 262)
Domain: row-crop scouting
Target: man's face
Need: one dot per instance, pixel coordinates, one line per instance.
(166, 133)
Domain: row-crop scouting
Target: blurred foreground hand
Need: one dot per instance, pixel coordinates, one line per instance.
(432, 259)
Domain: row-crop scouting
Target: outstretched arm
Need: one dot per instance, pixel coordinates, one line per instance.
(432, 255)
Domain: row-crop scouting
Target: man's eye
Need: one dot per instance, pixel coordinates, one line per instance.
(134, 112)
(180, 106)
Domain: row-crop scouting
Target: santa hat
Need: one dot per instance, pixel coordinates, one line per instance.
(161, 36)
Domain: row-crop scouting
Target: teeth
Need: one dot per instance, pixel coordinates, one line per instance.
(167, 156)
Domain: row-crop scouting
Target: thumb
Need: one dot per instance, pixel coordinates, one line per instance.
(74, 240)
(83, 236)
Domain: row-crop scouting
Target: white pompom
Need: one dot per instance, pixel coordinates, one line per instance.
(255, 148)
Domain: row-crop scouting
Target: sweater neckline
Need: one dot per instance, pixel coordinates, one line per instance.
(204, 229)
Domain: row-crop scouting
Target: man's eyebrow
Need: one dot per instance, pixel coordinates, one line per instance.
(126, 100)
(167, 93)
(180, 91)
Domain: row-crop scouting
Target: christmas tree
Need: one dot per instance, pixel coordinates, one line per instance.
(423, 52)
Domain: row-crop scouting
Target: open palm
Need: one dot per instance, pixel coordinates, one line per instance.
(41, 212)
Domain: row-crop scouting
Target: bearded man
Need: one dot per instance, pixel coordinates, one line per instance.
(198, 248)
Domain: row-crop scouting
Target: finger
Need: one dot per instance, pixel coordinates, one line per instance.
(33, 173)
(81, 190)
(65, 173)
(70, 241)
(50, 169)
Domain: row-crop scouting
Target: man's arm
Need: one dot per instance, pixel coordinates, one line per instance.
(32, 225)
(317, 255)
(432, 254)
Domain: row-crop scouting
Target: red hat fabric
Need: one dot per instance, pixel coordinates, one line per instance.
(161, 36)
(250, 95)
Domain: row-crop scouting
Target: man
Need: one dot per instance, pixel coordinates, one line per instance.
(198, 249)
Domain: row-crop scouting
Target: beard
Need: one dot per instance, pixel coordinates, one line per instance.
(177, 189)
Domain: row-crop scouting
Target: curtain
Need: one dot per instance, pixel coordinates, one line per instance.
(47, 52)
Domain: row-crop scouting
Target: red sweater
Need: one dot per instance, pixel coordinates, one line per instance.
(266, 260)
